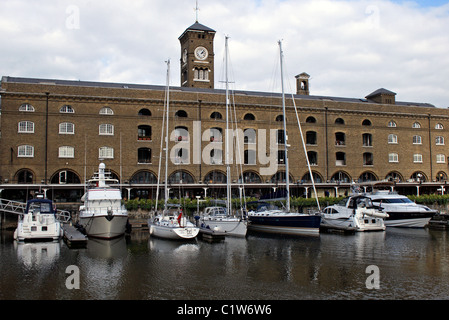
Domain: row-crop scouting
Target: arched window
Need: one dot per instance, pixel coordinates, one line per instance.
(367, 176)
(181, 114)
(26, 107)
(367, 140)
(439, 141)
(106, 111)
(216, 115)
(341, 176)
(280, 176)
(366, 122)
(144, 112)
(65, 176)
(441, 176)
(66, 109)
(250, 177)
(393, 157)
(215, 177)
(417, 140)
(439, 126)
(280, 118)
(24, 176)
(418, 176)
(394, 176)
(416, 125)
(143, 177)
(249, 116)
(310, 120)
(181, 176)
(392, 124)
(317, 178)
(339, 121)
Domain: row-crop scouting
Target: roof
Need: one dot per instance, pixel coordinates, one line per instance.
(379, 92)
(197, 27)
(205, 90)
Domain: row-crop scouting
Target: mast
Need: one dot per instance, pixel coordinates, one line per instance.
(287, 174)
(166, 135)
(227, 146)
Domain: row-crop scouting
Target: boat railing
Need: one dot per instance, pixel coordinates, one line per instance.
(104, 210)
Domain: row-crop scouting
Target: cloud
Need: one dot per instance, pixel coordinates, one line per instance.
(350, 48)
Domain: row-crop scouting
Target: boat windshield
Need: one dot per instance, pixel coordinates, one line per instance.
(395, 200)
(41, 207)
(266, 206)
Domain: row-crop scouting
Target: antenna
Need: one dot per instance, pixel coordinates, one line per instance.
(197, 9)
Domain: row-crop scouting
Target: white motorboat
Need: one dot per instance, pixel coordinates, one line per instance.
(103, 215)
(401, 210)
(171, 224)
(38, 222)
(216, 218)
(355, 213)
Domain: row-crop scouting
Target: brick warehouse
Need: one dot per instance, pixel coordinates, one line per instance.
(54, 133)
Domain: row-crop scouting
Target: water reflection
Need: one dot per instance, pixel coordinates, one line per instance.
(412, 264)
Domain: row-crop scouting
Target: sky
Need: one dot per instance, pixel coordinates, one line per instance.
(350, 48)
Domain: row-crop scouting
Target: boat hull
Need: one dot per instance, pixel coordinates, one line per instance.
(353, 224)
(407, 222)
(103, 226)
(173, 232)
(36, 232)
(285, 224)
(232, 227)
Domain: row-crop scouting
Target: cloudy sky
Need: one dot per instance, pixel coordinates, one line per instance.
(349, 47)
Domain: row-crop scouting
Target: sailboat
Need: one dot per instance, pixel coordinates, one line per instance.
(219, 218)
(269, 218)
(171, 224)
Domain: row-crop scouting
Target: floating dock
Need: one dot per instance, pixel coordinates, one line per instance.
(73, 237)
(439, 221)
(211, 235)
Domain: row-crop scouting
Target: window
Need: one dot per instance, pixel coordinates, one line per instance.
(439, 126)
(25, 151)
(339, 121)
(311, 138)
(280, 118)
(216, 115)
(439, 141)
(144, 112)
(249, 116)
(144, 132)
(66, 152)
(201, 74)
(181, 177)
(416, 125)
(106, 129)
(250, 157)
(66, 128)
(26, 107)
(25, 176)
(392, 124)
(340, 159)
(216, 156)
(181, 134)
(106, 111)
(367, 140)
(392, 139)
(215, 177)
(313, 158)
(66, 109)
(106, 153)
(417, 158)
(216, 135)
(417, 140)
(250, 177)
(367, 159)
(366, 122)
(340, 138)
(280, 137)
(249, 136)
(181, 156)
(181, 114)
(393, 157)
(281, 156)
(310, 120)
(144, 155)
(26, 127)
(441, 158)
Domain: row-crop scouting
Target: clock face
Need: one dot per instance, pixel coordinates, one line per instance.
(184, 55)
(201, 53)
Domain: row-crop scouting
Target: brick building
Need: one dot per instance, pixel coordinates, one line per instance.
(54, 133)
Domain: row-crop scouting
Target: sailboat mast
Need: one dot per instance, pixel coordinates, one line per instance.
(166, 135)
(287, 174)
(227, 146)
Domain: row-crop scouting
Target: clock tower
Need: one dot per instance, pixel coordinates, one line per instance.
(197, 56)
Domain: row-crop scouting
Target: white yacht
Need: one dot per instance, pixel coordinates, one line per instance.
(170, 224)
(216, 218)
(39, 221)
(355, 213)
(401, 210)
(103, 215)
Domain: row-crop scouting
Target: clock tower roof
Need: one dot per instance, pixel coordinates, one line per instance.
(197, 27)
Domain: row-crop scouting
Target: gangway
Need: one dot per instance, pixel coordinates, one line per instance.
(19, 208)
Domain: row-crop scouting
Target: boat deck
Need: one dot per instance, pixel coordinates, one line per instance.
(73, 237)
